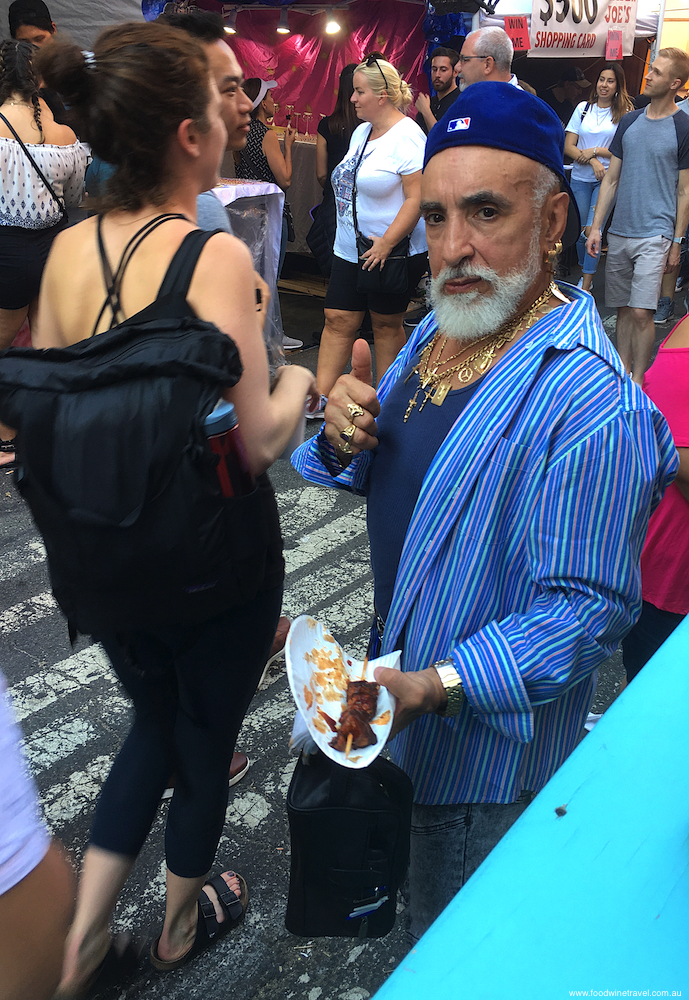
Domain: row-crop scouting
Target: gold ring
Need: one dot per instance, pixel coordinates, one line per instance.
(354, 410)
(348, 433)
(346, 449)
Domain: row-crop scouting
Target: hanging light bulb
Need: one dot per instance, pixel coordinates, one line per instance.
(231, 26)
(332, 25)
(283, 25)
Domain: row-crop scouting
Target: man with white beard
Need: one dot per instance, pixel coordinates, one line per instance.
(510, 467)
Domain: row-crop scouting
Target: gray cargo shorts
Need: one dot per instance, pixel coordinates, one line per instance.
(634, 271)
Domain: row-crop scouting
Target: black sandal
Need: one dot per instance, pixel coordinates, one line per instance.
(8, 447)
(208, 930)
(120, 963)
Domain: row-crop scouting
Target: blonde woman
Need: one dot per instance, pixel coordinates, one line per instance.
(384, 161)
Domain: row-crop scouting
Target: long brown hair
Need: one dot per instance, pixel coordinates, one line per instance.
(344, 118)
(129, 99)
(621, 102)
(18, 75)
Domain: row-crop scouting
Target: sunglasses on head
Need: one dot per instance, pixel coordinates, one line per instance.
(370, 60)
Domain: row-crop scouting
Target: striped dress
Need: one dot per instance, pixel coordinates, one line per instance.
(521, 560)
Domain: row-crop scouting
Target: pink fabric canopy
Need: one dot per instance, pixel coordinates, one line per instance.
(307, 63)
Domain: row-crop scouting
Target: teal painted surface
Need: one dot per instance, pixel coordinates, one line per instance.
(597, 899)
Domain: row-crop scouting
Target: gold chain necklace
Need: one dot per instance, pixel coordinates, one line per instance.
(435, 385)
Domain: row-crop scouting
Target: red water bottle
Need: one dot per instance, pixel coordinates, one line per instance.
(225, 439)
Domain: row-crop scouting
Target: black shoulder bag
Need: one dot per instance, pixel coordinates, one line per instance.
(349, 834)
(60, 201)
(393, 278)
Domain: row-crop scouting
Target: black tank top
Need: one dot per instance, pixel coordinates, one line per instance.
(171, 303)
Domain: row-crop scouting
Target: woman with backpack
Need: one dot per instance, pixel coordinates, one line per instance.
(147, 322)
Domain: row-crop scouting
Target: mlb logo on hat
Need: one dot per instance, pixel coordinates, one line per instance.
(458, 124)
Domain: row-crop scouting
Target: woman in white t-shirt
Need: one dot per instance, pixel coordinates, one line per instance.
(587, 141)
(390, 148)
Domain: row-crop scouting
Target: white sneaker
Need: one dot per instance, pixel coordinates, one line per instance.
(319, 412)
(290, 343)
(591, 719)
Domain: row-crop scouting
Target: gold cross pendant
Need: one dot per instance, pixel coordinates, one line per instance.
(412, 404)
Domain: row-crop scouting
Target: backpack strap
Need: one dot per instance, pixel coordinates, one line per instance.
(182, 266)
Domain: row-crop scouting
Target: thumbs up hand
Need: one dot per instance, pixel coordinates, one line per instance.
(350, 423)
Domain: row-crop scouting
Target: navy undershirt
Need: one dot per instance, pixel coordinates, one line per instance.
(402, 459)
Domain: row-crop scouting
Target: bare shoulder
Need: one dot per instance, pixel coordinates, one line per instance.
(59, 135)
(270, 139)
(71, 252)
(224, 272)
(74, 237)
(223, 250)
(680, 335)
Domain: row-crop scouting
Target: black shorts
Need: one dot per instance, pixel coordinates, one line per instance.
(342, 293)
(23, 253)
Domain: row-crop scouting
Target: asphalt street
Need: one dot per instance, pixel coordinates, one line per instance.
(74, 717)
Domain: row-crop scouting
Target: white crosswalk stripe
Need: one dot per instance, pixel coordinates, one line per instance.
(327, 574)
(28, 612)
(75, 673)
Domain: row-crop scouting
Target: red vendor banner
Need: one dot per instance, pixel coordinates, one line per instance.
(306, 64)
(613, 48)
(518, 30)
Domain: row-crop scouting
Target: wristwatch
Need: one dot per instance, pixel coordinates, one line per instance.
(681, 240)
(452, 683)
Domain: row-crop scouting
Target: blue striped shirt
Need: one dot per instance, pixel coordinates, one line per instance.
(521, 560)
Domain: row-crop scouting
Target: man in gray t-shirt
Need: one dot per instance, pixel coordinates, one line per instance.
(649, 173)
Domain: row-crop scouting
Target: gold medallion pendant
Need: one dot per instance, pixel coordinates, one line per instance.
(441, 391)
(436, 385)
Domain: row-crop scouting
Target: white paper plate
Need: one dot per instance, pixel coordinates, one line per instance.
(318, 670)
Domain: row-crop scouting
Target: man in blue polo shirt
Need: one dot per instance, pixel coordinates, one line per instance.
(649, 173)
(510, 467)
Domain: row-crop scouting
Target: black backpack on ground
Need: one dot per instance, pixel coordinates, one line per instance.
(350, 847)
(116, 468)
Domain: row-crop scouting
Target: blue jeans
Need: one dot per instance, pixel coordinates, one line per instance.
(586, 196)
(448, 843)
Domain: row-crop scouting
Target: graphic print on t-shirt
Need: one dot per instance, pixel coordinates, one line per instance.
(343, 185)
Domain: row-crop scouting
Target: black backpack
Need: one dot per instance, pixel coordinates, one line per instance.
(118, 473)
(350, 847)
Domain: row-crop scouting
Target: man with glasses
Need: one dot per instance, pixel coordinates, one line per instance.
(487, 55)
(443, 78)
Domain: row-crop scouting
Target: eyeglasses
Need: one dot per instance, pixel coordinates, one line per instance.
(465, 59)
(370, 60)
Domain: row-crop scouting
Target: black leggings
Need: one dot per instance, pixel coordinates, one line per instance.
(191, 686)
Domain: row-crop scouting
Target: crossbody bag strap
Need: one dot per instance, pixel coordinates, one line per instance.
(356, 171)
(60, 201)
